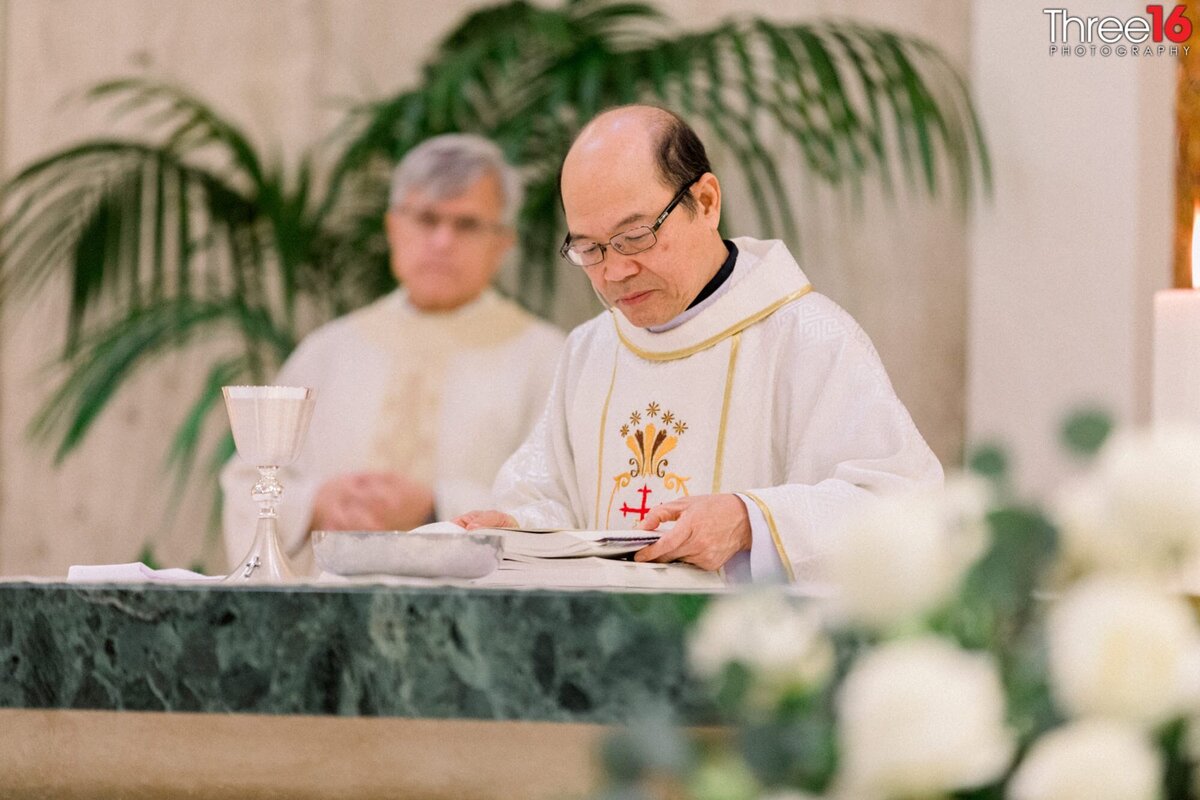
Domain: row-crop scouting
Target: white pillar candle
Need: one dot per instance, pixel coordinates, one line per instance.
(1177, 350)
(1177, 356)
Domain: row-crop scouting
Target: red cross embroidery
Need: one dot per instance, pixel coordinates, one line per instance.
(644, 510)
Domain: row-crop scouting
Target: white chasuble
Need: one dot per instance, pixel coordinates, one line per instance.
(442, 398)
(771, 392)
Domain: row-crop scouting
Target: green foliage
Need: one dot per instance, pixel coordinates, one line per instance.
(853, 100)
(993, 792)
(188, 234)
(650, 746)
(147, 557)
(732, 687)
(989, 461)
(997, 596)
(1086, 431)
(1181, 764)
(796, 747)
(691, 606)
(723, 779)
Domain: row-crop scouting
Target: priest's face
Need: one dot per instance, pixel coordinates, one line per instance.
(445, 251)
(605, 194)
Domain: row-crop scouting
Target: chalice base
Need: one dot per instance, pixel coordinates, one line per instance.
(265, 562)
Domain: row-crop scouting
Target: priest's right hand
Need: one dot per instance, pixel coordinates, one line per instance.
(371, 501)
(484, 519)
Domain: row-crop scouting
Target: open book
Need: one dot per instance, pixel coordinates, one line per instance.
(572, 544)
(554, 543)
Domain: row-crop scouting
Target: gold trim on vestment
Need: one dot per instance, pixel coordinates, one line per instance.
(783, 556)
(737, 327)
(733, 352)
(603, 422)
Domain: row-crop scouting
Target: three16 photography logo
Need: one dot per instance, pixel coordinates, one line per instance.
(1159, 32)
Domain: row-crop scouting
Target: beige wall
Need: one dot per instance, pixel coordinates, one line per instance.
(1065, 259)
(280, 69)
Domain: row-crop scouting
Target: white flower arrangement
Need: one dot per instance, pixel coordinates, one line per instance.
(973, 648)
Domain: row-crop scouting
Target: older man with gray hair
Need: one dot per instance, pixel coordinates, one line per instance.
(422, 395)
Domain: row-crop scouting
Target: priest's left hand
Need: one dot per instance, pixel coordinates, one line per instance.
(709, 530)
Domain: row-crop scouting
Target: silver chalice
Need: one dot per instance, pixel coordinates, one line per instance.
(269, 424)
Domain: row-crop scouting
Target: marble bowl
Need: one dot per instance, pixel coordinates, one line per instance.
(413, 555)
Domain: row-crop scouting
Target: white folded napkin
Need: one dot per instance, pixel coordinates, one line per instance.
(135, 572)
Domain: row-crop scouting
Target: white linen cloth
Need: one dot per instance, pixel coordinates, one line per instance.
(135, 572)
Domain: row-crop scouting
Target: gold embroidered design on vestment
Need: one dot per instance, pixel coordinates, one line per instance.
(649, 445)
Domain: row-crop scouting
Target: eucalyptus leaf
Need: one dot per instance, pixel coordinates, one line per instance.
(990, 461)
(1085, 431)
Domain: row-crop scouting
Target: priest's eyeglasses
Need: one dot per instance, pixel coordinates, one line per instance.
(634, 240)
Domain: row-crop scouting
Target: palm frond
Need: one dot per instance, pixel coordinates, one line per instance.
(90, 203)
(859, 103)
(181, 120)
(108, 358)
(181, 457)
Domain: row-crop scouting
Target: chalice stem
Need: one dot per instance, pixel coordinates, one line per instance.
(267, 491)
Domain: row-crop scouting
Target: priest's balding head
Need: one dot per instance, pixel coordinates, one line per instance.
(643, 209)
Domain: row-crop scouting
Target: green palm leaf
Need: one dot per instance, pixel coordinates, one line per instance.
(858, 103)
(185, 444)
(188, 122)
(91, 202)
(108, 358)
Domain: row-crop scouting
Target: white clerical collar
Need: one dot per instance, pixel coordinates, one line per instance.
(692, 311)
(765, 278)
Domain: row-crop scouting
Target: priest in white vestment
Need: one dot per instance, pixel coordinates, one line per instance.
(422, 395)
(719, 391)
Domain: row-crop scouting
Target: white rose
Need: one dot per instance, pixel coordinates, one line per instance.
(900, 556)
(1092, 759)
(1123, 649)
(781, 642)
(1139, 508)
(921, 717)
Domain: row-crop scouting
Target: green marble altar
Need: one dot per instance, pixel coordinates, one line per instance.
(362, 650)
